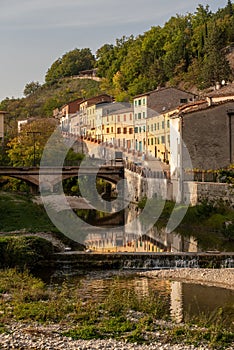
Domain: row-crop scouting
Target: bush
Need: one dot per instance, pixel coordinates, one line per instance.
(18, 251)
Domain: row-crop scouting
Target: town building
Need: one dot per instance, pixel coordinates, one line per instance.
(156, 105)
(118, 127)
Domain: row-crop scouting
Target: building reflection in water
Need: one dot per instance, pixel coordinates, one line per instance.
(122, 235)
(176, 301)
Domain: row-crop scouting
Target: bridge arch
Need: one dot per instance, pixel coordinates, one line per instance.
(52, 175)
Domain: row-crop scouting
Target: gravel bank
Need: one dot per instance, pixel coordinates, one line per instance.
(215, 277)
(25, 337)
(38, 337)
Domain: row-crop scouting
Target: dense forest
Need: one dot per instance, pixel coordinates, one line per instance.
(190, 51)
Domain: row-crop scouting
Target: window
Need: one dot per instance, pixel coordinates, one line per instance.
(130, 116)
(152, 141)
(162, 139)
(155, 126)
(136, 129)
(139, 115)
(118, 118)
(158, 140)
(118, 130)
(152, 127)
(143, 128)
(143, 101)
(158, 126)
(139, 129)
(139, 102)
(163, 124)
(148, 142)
(183, 100)
(143, 114)
(135, 102)
(107, 130)
(112, 129)
(130, 131)
(135, 116)
(125, 130)
(168, 123)
(124, 117)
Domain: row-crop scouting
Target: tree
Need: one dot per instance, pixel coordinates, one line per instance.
(70, 64)
(215, 65)
(30, 142)
(31, 88)
(229, 8)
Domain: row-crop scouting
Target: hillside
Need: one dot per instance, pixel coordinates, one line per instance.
(191, 51)
(46, 98)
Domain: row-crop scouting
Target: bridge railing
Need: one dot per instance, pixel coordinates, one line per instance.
(146, 172)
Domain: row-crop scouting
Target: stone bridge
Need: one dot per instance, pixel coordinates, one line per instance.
(53, 175)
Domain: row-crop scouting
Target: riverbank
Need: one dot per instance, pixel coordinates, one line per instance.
(28, 336)
(60, 318)
(214, 277)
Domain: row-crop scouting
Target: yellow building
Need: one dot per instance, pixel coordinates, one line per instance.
(158, 136)
(118, 129)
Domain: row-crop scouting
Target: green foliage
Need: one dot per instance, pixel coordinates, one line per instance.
(23, 251)
(70, 64)
(27, 148)
(187, 51)
(31, 88)
(21, 214)
(41, 103)
(187, 48)
(85, 319)
(211, 225)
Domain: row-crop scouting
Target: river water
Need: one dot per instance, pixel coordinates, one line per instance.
(182, 300)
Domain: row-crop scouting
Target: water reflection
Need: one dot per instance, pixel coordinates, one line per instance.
(183, 301)
(177, 301)
(120, 235)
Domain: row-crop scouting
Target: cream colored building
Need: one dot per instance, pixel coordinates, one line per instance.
(151, 120)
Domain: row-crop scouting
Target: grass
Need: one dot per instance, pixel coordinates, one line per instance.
(18, 212)
(127, 316)
(21, 215)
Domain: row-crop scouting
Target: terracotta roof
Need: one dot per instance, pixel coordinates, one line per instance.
(226, 90)
(197, 106)
(162, 89)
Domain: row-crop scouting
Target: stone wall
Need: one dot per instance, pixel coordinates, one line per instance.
(138, 187)
(198, 192)
(209, 136)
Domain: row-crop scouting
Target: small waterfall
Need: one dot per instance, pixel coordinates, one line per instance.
(228, 263)
(163, 262)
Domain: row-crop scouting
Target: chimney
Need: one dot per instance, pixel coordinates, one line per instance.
(217, 85)
(209, 101)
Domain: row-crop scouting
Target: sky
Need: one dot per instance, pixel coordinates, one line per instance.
(34, 33)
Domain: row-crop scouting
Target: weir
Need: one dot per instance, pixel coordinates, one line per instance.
(74, 261)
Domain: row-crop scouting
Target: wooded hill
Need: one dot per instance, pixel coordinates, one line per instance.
(190, 51)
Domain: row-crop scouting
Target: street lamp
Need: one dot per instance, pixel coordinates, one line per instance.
(34, 133)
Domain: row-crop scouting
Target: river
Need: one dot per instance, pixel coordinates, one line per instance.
(183, 301)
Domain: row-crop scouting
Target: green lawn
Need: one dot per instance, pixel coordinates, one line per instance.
(19, 213)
